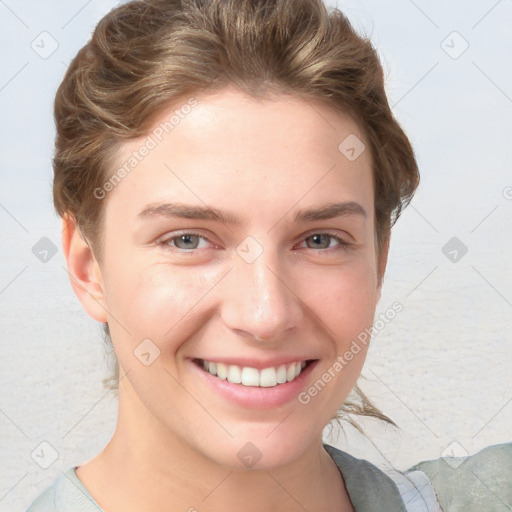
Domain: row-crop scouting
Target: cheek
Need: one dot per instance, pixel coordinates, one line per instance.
(157, 301)
(344, 298)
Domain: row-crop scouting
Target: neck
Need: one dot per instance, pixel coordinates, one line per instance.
(147, 468)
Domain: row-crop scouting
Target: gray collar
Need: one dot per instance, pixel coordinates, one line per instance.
(369, 488)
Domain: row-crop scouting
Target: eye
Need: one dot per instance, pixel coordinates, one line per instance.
(189, 242)
(323, 241)
(184, 242)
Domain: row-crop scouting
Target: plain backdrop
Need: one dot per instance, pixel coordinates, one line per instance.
(440, 369)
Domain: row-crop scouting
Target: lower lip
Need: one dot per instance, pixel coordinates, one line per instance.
(256, 397)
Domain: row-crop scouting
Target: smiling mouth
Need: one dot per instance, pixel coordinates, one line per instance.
(248, 376)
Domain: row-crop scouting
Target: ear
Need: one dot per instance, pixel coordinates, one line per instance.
(381, 266)
(83, 269)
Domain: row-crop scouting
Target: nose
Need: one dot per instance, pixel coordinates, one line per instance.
(260, 302)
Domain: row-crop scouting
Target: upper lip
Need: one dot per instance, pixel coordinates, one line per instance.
(259, 364)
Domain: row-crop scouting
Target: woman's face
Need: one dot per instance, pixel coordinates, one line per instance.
(244, 238)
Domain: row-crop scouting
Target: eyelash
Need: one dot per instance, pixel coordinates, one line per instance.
(166, 242)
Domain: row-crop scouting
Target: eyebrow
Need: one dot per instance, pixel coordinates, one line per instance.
(185, 211)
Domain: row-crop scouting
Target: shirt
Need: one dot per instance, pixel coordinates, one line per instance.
(478, 482)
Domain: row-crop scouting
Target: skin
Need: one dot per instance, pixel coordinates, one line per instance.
(176, 441)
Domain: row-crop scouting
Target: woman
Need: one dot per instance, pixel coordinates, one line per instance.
(228, 174)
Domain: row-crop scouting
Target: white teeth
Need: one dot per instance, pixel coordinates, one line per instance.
(222, 371)
(281, 374)
(247, 376)
(234, 374)
(268, 377)
(250, 377)
(290, 373)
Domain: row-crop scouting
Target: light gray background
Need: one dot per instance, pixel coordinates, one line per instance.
(441, 369)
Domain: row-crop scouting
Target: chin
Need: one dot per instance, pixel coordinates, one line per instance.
(257, 449)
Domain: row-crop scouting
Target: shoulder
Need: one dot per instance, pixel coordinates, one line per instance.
(65, 494)
(478, 482)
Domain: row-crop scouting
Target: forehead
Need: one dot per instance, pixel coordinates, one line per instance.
(229, 147)
(268, 125)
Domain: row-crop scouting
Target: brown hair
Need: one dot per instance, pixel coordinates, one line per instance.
(147, 55)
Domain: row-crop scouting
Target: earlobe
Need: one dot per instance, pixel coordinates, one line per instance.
(83, 269)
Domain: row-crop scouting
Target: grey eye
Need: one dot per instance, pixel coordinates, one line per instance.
(321, 241)
(186, 241)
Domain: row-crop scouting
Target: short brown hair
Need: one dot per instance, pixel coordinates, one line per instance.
(145, 55)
